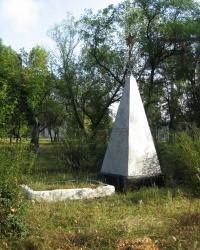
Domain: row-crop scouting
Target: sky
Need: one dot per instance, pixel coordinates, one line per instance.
(24, 23)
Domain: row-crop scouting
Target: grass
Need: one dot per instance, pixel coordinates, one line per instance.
(148, 218)
(37, 186)
(47, 169)
(168, 217)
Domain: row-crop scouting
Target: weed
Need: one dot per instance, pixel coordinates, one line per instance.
(147, 218)
(14, 160)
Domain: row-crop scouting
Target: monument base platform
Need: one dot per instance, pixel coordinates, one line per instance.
(126, 183)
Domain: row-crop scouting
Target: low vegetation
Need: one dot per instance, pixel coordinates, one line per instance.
(166, 218)
(148, 218)
(64, 185)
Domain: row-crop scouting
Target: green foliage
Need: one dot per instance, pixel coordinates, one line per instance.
(180, 158)
(38, 59)
(14, 161)
(9, 81)
(81, 151)
(91, 61)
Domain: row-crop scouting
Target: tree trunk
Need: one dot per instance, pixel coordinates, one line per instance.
(35, 136)
(50, 134)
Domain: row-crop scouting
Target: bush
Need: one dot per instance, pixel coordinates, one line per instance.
(81, 152)
(14, 160)
(180, 158)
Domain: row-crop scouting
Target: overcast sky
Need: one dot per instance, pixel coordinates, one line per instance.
(24, 23)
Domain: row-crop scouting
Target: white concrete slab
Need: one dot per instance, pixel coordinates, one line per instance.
(131, 150)
(68, 194)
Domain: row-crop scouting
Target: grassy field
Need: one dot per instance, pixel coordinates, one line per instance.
(148, 218)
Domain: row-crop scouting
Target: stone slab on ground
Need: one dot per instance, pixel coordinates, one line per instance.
(68, 194)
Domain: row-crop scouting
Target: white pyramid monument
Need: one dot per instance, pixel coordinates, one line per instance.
(131, 155)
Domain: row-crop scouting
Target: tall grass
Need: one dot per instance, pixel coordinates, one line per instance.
(148, 218)
(170, 218)
(14, 160)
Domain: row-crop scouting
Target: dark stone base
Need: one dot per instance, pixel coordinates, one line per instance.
(124, 183)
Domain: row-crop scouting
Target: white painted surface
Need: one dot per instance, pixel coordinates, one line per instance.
(131, 150)
(68, 194)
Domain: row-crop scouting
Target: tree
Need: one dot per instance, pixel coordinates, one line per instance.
(38, 91)
(190, 62)
(168, 35)
(11, 103)
(83, 88)
(161, 31)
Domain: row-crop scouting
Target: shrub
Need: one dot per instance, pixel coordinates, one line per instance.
(180, 158)
(14, 160)
(81, 152)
